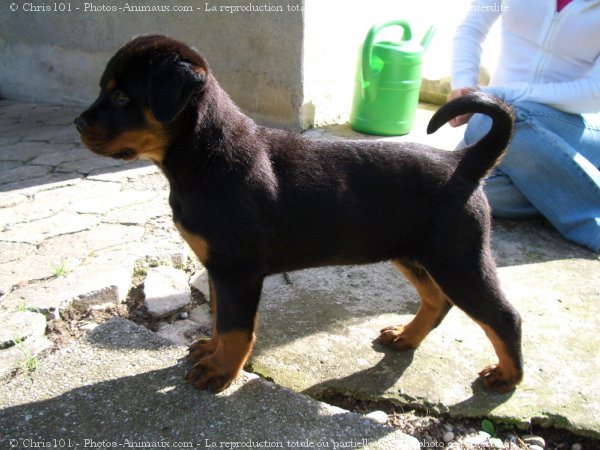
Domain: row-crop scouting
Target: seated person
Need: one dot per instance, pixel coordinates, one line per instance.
(549, 72)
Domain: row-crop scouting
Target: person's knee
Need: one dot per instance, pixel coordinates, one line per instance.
(480, 124)
(524, 109)
(505, 199)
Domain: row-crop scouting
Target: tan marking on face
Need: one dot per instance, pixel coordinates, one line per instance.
(200, 71)
(149, 142)
(111, 85)
(145, 143)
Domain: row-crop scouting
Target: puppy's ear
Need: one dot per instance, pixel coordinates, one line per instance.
(171, 86)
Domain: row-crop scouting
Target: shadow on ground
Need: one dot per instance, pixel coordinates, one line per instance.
(316, 336)
(89, 395)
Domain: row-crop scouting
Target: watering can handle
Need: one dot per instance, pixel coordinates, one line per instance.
(368, 46)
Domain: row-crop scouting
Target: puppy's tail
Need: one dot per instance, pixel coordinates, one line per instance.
(478, 159)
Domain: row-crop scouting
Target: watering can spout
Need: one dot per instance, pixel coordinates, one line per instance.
(427, 38)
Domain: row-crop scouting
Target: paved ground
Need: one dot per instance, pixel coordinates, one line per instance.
(123, 385)
(73, 224)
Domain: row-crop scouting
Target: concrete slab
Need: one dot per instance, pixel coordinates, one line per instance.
(125, 385)
(100, 278)
(32, 185)
(316, 335)
(26, 150)
(22, 325)
(59, 224)
(316, 329)
(23, 355)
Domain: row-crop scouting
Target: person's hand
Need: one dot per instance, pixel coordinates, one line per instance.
(460, 120)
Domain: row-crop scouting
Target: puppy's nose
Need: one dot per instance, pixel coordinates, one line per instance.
(80, 123)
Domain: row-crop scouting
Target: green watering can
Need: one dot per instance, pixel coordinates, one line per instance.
(388, 79)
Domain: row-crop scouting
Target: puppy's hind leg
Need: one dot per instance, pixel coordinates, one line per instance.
(433, 309)
(471, 283)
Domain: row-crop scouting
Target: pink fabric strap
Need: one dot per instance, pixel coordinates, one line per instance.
(560, 4)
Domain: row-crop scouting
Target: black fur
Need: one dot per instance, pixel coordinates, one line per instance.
(256, 201)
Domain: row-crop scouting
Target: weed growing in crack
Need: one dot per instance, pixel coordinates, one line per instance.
(60, 269)
(29, 362)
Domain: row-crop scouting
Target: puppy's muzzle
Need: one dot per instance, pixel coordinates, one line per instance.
(80, 123)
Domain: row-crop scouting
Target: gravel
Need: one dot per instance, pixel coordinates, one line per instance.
(455, 433)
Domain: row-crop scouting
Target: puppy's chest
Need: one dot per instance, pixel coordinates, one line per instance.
(190, 227)
(186, 212)
(176, 206)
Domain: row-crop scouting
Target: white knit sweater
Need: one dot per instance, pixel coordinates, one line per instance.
(546, 57)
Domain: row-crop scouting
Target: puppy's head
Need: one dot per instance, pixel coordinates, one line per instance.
(145, 88)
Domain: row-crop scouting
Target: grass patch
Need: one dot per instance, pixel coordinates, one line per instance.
(60, 269)
(29, 363)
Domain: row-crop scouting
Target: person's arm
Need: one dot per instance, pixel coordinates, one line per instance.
(467, 48)
(467, 43)
(577, 96)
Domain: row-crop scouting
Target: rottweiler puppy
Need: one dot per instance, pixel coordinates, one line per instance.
(253, 201)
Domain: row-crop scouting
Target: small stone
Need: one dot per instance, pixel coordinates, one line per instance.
(88, 326)
(201, 315)
(479, 439)
(534, 440)
(180, 258)
(496, 443)
(576, 446)
(448, 427)
(107, 306)
(179, 332)
(448, 436)
(199, 280)
(184, 315)
(166, 290)
(379, 417)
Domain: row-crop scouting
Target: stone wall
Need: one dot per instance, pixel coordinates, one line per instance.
(292, 63)
(58, 57)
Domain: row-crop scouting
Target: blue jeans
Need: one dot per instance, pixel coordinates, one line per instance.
(551, 168)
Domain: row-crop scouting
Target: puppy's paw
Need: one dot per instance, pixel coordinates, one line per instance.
(496, 379)
(208, 374)
(397, 337)
(201, 348)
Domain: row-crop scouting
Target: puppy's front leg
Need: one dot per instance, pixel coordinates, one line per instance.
(217, 362)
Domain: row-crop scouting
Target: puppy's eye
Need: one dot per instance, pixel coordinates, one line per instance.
(119, 98)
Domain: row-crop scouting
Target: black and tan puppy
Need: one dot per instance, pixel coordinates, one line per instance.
(253, 201)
